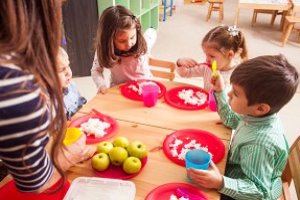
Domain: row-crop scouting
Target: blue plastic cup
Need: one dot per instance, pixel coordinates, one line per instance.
(198, 159)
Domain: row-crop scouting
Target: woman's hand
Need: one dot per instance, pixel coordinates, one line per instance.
(186, 62)
(218, 83)
(211, 178)
(102, 90)
(75, 153)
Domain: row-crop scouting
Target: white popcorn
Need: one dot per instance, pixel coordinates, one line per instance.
(133, 87)
(176, 143)
(140, 85)
(95, 127)
(191, 97)
(182, 198)
(187, 147)
(174, 197)
(174, 152)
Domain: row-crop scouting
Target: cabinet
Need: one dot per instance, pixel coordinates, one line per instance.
(80, 19)
(146, 10)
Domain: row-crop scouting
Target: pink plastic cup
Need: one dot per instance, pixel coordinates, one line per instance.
(150, 94)
(212, 101)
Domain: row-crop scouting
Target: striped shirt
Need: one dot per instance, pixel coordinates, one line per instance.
(24, 119)
(258, 154)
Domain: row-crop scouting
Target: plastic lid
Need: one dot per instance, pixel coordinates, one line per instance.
(83, 188)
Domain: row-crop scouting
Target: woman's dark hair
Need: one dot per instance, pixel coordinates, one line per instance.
(30, 34)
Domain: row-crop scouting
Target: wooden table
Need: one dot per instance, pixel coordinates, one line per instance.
(151, 125)
(162, 115)
(158, 170)
(283, 5)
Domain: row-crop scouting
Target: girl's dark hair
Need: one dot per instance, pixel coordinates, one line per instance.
(267, 79)
(113, 20)
(223, 39)
(30, 34)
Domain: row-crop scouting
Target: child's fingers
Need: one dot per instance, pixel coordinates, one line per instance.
(102, 90)
(214, 166)
(89, 152)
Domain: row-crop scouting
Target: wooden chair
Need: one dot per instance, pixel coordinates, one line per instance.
(274, 13)
(290, 22)
(292, 171)
(162, 69)
(215, 5)
(164, 9)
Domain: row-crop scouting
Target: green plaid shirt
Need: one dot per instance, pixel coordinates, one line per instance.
(257, 156)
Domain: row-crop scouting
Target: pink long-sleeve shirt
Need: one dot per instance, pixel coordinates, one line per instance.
(129, 68)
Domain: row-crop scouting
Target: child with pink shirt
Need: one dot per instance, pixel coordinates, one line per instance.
(120, 48)
(224, 44)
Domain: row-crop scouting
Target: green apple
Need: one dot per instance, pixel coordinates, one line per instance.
(118, 155)
(132, 165)
(104, 147)
(137, 149)
(121, 142)
(100, 161)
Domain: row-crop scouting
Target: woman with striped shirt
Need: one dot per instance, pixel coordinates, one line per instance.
(258, 150)
(31, 106)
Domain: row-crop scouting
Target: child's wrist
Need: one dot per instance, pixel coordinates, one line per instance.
(218, 90)
(222, 183)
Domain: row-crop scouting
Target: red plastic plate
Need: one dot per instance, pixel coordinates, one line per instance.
(116, 172)
(10, 191)
(171, 98)
(163, 192)
(91, 139)
(213, 143)
(133, 95)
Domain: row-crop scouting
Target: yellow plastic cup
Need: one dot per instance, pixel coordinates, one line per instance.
(72, 135)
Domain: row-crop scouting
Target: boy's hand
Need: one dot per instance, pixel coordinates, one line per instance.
(218, 83)
(102, 90)
(211, 178)
(186, 62)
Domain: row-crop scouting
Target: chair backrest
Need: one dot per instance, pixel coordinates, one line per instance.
(292, 169)
(162, 68)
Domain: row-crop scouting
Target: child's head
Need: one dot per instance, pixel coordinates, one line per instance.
(222, 43)
(64, 70)
(118, 33)
(262, 85)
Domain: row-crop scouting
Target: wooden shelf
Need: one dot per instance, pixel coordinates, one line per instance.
(146, 10)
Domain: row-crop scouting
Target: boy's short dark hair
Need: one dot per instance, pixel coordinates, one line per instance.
(267, 79)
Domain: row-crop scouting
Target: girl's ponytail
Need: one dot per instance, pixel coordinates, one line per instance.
(243, 48)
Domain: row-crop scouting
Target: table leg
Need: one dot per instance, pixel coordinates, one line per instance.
(171, 7)
(236, 20)
(165, 10)
(282, 21)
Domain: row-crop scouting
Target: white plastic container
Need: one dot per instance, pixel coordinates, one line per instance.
(83, 188)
